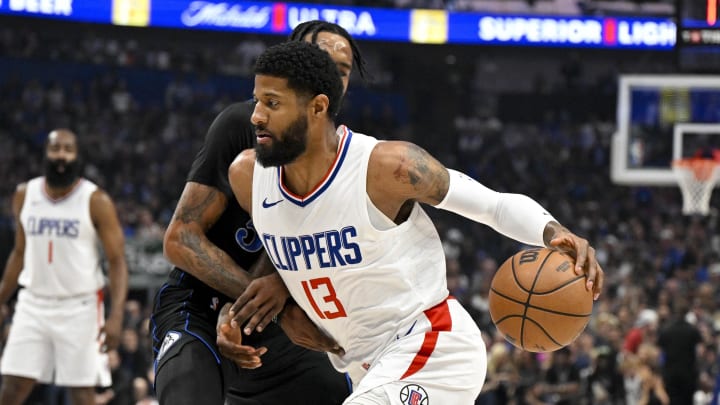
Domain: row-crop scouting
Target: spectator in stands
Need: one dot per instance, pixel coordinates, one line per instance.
(643, 381)
(643, 331)
(605, 384)
(502, 376)
(562, 379)
(679, 342)
(121, 391)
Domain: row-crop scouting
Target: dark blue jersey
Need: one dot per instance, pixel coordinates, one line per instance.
(229, 134)
(186, 304)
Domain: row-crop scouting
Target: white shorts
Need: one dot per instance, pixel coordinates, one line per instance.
(443, 361)
(56, 341)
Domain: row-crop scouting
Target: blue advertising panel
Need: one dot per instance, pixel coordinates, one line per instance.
(73, 10)
(419, 26)
(709, 23)
(278, 18)
(605, 32)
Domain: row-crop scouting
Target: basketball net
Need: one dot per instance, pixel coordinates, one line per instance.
(696, 178)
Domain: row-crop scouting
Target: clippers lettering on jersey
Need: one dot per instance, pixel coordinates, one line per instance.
(64, 228)
(333, 248)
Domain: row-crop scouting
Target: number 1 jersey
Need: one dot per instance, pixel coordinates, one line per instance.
(62, 256)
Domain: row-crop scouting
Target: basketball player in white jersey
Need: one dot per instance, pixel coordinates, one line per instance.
(339, 215)
(58, 330)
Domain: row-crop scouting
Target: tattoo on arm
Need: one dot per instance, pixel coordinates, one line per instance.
(424, 173)
(210, 258)
(192, 211)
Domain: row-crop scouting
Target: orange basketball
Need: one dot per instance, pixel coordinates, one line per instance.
(538, 302)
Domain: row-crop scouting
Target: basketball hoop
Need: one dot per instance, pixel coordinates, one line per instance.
(696, 177)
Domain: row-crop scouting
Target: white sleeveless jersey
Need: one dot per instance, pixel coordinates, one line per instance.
(62, 256)
(363, 286)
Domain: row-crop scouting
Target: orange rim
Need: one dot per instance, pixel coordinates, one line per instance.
(701, 168)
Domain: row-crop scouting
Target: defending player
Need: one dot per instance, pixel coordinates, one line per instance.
(339, 215)
(212, 243)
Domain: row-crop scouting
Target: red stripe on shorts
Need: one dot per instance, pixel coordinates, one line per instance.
(100, 307)
(440, 321)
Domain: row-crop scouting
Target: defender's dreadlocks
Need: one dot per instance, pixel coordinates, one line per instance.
(315, 27)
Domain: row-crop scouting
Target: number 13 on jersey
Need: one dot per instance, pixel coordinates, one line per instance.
(322, 297)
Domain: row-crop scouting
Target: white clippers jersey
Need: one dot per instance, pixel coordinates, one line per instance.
(62, 256)
(362, 285)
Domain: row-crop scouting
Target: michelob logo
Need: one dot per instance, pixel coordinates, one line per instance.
(356, 23)
(208, 13)
(428, 26)
(131, 12)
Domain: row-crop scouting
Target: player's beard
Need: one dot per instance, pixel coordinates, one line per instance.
(60, 173)
(286, 148)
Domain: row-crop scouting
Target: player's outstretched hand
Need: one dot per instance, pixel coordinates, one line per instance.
(303, 332)
(585, 260)
(229, 341)
(262, 300)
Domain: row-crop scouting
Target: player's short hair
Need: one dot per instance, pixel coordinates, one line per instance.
(314, 27)
(308, 69)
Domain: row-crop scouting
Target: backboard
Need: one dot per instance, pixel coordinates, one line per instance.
(661, 118)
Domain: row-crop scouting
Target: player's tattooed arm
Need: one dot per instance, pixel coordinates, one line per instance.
(402, 172)
(265, 297)
(198, 203)
(427, 176)
(187, 247)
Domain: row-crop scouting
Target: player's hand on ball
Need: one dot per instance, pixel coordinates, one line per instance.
(262, 300)
(303, 332)
(584, 254)
(229, 341)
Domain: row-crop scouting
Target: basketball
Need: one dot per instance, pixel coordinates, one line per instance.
(538, 302)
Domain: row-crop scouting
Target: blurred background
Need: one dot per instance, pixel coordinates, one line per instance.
(524, 95)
